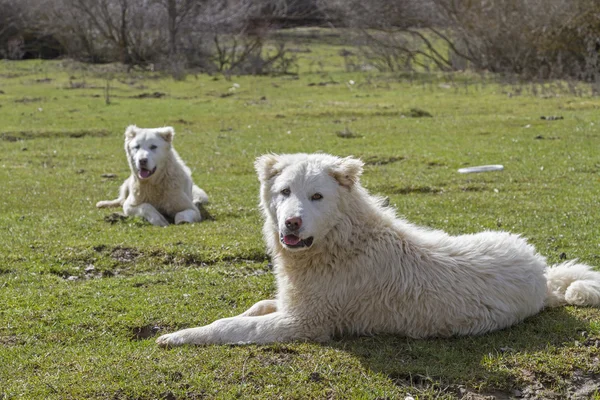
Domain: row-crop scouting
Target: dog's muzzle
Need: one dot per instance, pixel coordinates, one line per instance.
(294, 242)
(144, 173)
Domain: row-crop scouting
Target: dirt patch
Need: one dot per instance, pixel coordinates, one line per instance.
(541, 137)
(315, 377)
(103, 261)
(325, 83)
(472, 188)
(377, 160)
(426, 383)
(64, 272)
(276, 355)
(418, 113)
(29, 100)
(412, 190)
(348, 134)
(10, 138)
(11, 340)
(195, 260)
(280, 349)
(81, 85)
(584, 386)
(10, 76)
(144, 332)
(115, 217)
(432, 164)
(153, 95)
(552, 117)
(29, 135)
(124, 254)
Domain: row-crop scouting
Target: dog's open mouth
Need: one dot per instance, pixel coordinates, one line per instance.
(144, 173)
(294, 242)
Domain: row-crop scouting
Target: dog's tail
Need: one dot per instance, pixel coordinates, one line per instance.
(572, 283)
(199, 196)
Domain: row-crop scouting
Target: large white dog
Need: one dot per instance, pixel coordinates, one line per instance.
(160, 185)
(345, 264)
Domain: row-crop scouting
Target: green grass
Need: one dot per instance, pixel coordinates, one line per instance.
(82, 299)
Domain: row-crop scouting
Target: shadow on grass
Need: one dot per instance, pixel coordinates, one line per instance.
(480, 361)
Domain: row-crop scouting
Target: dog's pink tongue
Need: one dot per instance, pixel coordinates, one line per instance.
(144, 173)
(291, 240)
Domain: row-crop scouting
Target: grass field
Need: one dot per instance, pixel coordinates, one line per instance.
(83, 296)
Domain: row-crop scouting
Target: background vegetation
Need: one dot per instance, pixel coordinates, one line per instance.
(84, 292)
(532, 39)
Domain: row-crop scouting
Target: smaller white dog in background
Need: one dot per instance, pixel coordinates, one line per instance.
(160, 186)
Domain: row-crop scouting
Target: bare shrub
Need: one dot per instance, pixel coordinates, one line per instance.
(540, 39)
(12, 25)
(20, 37)
(395, 35)
(170, 35)
(532, 38)
(233, 38)
(106, 30)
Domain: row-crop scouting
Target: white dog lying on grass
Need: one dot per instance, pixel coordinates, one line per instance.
(345, 264)
(160, 185)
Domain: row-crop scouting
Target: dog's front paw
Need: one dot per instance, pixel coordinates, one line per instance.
(171, 340)
(187, 216)
(159, 221)
(180, 220)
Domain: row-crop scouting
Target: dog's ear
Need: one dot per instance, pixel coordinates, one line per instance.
(167, 133)
(265, 166)
(130, 132)
(347, 171)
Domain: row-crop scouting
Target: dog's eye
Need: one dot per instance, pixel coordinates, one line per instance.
(286, 192)
(136, 147)
(153, 147)
(316, 196)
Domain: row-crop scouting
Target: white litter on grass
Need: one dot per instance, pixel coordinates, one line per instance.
(481, 168)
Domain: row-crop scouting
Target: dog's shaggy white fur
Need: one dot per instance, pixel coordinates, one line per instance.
(345, 264)
(160, 186)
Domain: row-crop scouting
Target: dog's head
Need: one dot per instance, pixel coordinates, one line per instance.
(147, 149)
(300, 194)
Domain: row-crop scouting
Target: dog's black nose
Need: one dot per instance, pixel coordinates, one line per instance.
(293, 223)
(143, 161)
